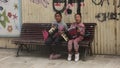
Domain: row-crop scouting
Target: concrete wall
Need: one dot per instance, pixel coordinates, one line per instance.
(105, 13)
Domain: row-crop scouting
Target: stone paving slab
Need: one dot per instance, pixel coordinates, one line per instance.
(9, 60)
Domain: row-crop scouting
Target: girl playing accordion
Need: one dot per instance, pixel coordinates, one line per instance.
(76, 33)
(55, 37)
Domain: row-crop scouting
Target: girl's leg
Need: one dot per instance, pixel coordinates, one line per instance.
(76, 48)
(56, 53)
(48, 43)
(57, 42)
(70, 50)
(76, 45)
(70, 42)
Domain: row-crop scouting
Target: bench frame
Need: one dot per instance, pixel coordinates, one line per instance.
(31, 34)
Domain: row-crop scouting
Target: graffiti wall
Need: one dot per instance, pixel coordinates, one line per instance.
(92, 10)
(33, 9)
(10, 23)
(106, 13)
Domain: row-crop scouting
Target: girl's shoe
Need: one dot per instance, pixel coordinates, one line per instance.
(54, 56)
(51, 56)
(77, 57)
(69, 57)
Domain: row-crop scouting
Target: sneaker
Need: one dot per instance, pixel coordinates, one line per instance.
(56, 56)
(51, 56)
(77, 57)
(69, 57)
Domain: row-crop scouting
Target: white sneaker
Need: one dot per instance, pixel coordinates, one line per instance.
(69, 57)
(77, 57)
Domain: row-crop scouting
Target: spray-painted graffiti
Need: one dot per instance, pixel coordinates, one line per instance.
(4, 1)
(45, 3)
(64, 5)
(107, 16)
(101, 2)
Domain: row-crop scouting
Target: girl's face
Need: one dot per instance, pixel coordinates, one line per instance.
(58, 18)
(77, 18)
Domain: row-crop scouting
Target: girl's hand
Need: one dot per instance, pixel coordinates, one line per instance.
(53, 26)
(60, 32)
(78, 30)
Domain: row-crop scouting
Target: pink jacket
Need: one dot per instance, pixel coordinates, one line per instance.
(80, 26)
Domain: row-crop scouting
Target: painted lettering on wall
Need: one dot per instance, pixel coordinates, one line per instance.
(107, 16)
(102, 2)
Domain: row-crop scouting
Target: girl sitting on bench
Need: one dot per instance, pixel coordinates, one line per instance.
(55, 35)
(76, 32)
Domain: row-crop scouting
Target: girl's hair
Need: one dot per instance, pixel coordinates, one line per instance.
(58, 13)
(78, 14)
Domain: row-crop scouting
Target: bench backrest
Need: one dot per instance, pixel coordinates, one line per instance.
(34, 30)
(89, 31)
(31, 31)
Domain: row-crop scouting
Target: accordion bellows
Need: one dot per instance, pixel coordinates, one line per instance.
(72, 33)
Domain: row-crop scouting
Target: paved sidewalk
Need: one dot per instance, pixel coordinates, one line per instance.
(8, 60)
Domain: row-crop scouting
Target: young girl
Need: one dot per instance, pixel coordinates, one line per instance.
(56, 38)
(74, 41)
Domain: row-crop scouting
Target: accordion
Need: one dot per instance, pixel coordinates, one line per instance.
(65, 37)
(53, 30)
(72, 33)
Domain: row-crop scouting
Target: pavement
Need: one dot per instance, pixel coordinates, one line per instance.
(8, 59)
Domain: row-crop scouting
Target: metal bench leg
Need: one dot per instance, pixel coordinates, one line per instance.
(19, 48)
(27, 48)
(85, 54)
(90, 49)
